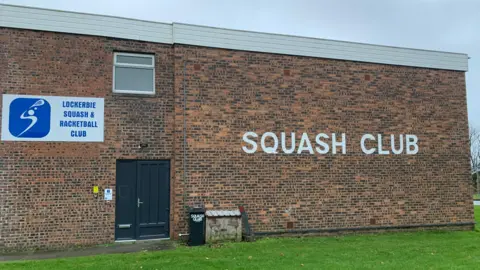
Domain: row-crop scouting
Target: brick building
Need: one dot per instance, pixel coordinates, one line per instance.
(193, 115)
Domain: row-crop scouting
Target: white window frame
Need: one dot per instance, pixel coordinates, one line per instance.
(152, 67)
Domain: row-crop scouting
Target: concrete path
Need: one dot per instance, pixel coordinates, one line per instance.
(125, 247)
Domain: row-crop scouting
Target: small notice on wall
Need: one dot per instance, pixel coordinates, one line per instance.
(52, 118)
(108, 194)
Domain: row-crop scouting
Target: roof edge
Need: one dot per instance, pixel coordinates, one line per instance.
(315, 38)
(33, 18)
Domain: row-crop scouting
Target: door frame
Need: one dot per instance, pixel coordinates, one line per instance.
(136, 237)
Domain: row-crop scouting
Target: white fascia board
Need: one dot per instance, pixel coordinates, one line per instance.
(178, 33)
(84, 24)
(314, 47)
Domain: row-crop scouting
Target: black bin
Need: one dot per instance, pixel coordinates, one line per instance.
(197, 226)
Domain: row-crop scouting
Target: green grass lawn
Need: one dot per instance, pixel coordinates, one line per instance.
(418, 250)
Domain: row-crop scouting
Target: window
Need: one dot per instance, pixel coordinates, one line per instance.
(133, 73)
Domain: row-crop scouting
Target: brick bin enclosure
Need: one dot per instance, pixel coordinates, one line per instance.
(46, 200)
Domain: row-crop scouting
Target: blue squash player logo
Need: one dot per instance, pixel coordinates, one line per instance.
(29, 118)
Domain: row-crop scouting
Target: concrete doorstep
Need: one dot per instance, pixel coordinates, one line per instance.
(122, 247)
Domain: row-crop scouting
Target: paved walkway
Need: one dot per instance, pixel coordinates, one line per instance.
(126, 247)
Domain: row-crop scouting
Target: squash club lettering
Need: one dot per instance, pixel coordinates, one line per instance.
(75, 114)
(333, 143)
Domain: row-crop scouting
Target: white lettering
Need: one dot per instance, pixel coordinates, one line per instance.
(267, 149)
(325, 147)
(392, 141)
(362, 144)
(302, 147)
(284, 147)
(411, 140)
(380, 150)
(343, 144)
(269, 143)
(247, 140)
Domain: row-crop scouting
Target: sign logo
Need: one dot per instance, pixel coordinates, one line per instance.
(29, 118)
(197, 217)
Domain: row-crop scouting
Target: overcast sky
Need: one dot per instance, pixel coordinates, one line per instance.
(446, 25)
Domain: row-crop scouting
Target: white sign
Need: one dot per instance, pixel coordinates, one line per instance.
(108, 194)
(370, 144)
(52, 118)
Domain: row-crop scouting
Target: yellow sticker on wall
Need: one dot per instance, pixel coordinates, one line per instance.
(95, 189)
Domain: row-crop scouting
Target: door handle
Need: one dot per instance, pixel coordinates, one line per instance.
(139, 202)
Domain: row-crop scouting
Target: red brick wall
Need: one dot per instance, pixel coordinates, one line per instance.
(233, 92)
(47, 200)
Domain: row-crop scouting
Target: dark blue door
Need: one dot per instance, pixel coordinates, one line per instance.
(143, 199)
